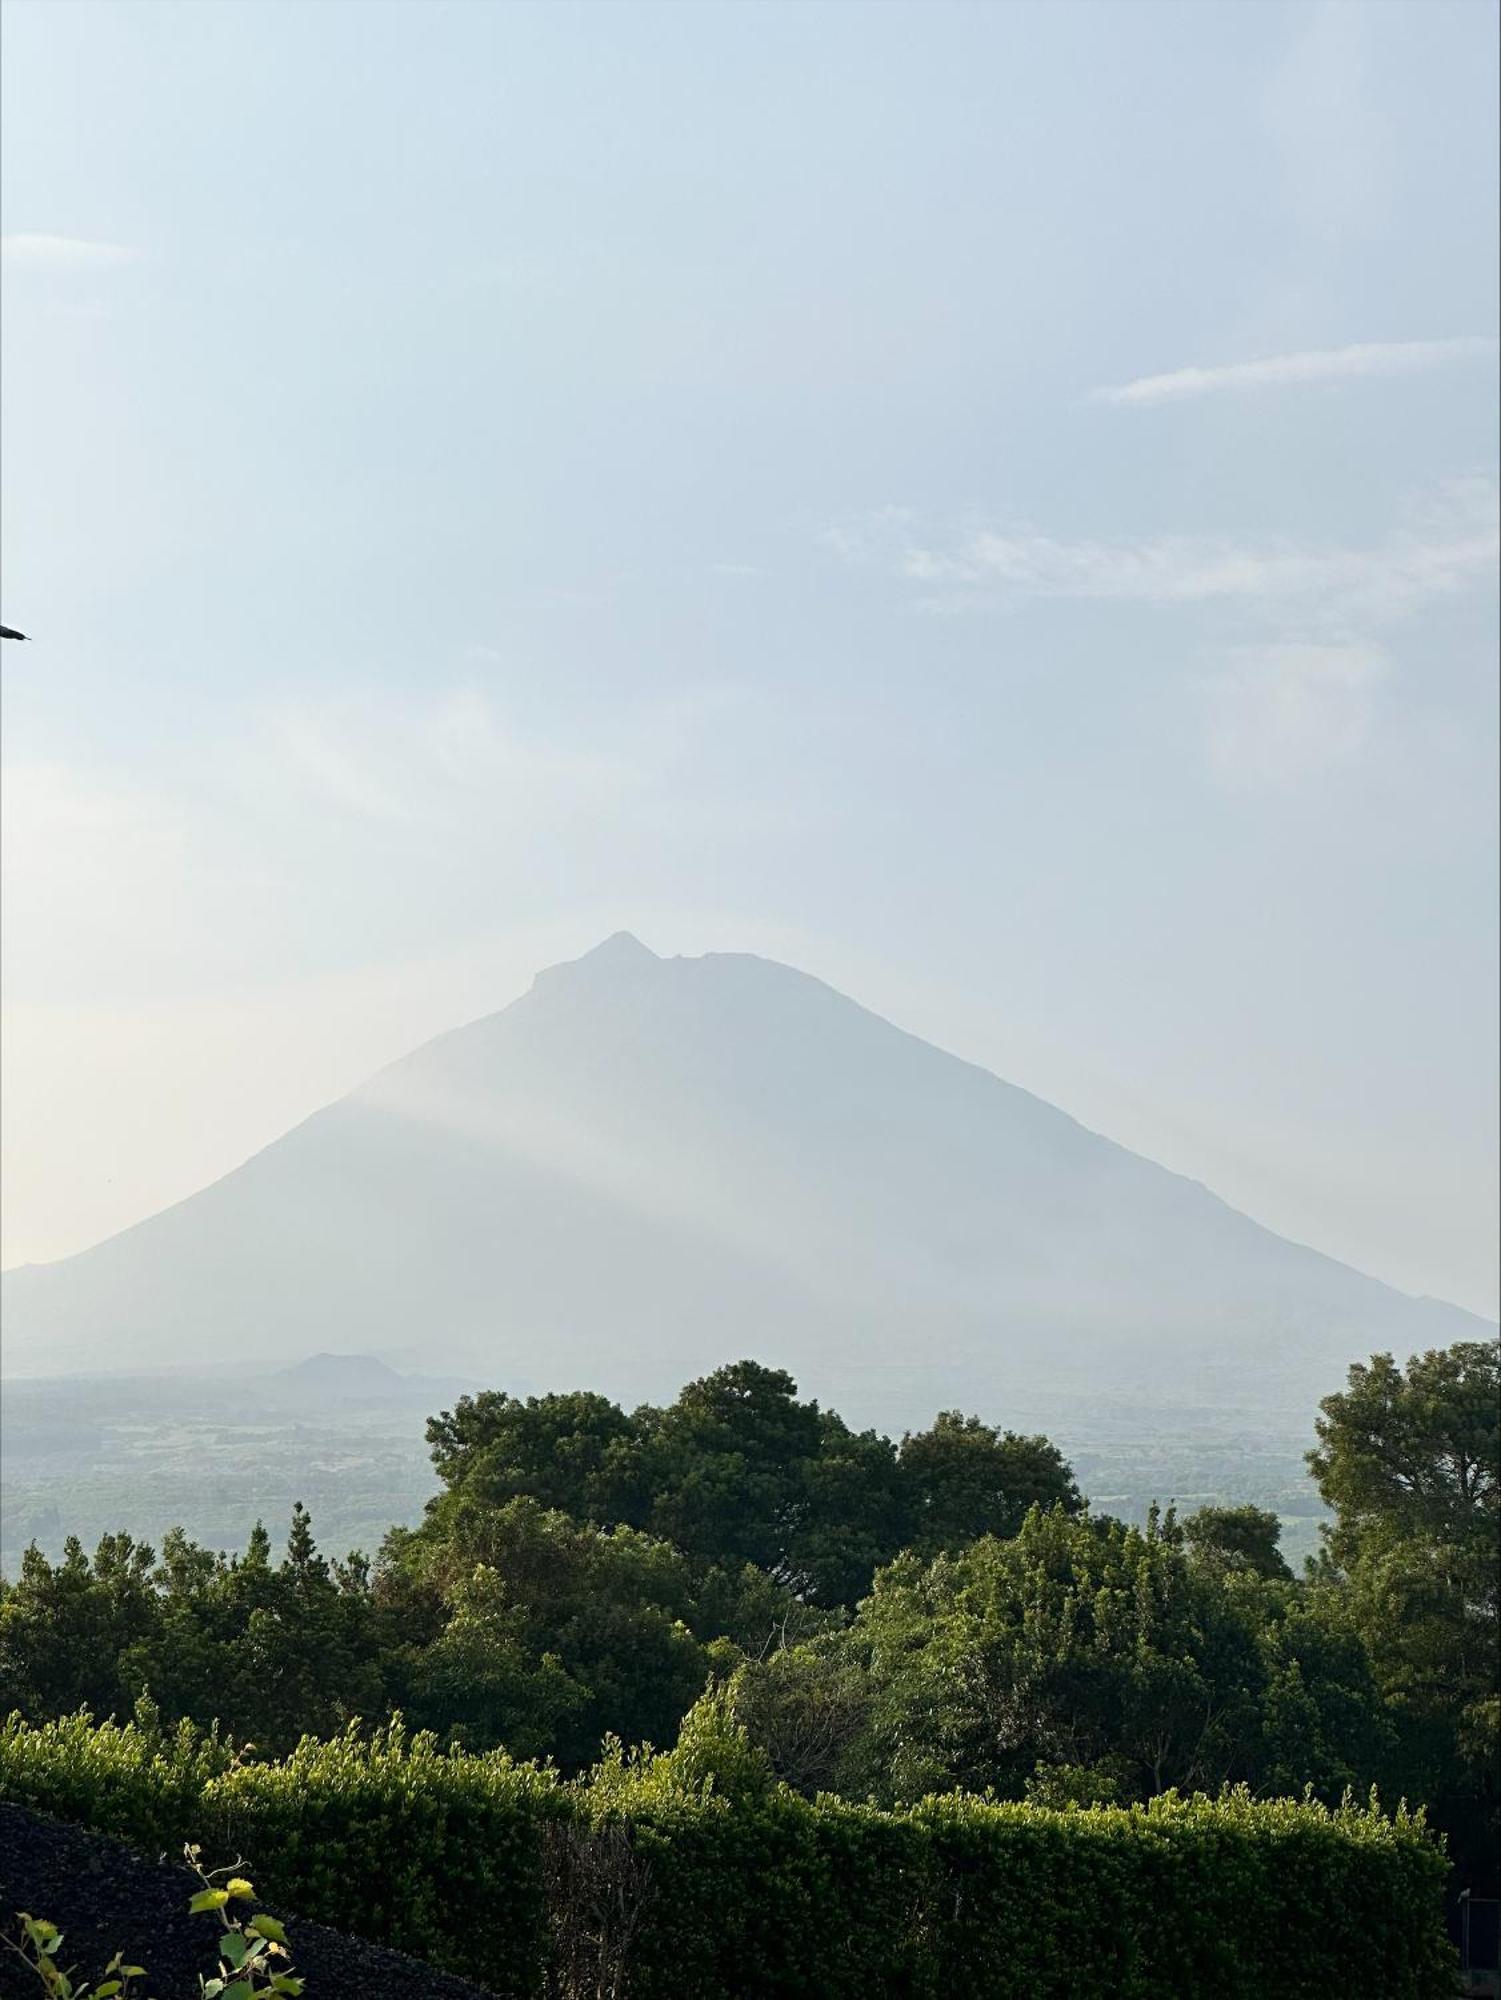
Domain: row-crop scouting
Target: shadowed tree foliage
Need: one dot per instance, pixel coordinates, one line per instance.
(1080, 1660)
(1410, 1461)
(963, 1479)
(579, 1452)
(726, 1466)
(737, 1470)
(1237, 1538)
(888, 1621)
(275, 1650)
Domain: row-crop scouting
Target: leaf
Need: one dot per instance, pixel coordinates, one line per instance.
(110, 1986)
(241, 1990)
(233, 1950)
(285, 1982)
(267, 1927)
(207, 1899)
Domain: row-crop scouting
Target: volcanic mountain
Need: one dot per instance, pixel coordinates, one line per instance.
(645, 1167)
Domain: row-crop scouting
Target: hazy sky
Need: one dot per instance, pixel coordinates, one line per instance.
(994, 504)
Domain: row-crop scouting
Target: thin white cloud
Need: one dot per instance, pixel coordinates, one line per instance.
(1451, 544)
(1301, 692)
(64, 253)
(1365, 361)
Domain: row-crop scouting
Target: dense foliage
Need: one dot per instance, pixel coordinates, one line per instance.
(583, 1572)
(888, 1620)
(1411, 1463)
(738, 1471)
(695, 1874)
(1081, 1659)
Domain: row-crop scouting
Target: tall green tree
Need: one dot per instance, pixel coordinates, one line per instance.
(850, 1516)
(65, 1626)
(1080, 1659)
(738, 1469)
(1243, 1537)
(725, 1465)
(548, 1634)
(1410, 1461)
(577, 1452)
(963, 1479)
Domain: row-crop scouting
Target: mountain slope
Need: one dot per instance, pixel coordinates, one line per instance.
(646, 1166)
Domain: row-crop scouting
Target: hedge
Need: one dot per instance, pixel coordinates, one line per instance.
(692, 1877)
(439, 1856)
(138, 1780)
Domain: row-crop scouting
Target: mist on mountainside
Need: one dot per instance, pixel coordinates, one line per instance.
(646, 1165)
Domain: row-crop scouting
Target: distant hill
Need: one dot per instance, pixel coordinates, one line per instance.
(324, 1379)
(362, 1373)
(647, 1166)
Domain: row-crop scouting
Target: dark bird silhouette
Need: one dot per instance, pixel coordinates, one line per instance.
(6, 632)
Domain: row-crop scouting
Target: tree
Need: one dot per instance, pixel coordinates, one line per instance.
(851, 1516)
(739, 1470)
(1410, 1461)
(1082, 1659)
(1237, 1538)
(586, 1630)
(808, 1707)
(964, 1479)
(725, 1465)
(65, 1625)
(1414, 1455)
(482, 1683)
(577, 1452)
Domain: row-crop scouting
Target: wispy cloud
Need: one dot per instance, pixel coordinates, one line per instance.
(1452, 543)
(64, 253)
(1289, 676)
(1365, 361)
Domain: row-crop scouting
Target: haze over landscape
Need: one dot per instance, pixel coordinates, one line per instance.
(647, 1164)
(1010, 530)
(750, 958)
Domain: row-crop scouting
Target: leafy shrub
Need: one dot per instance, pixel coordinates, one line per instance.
(695, 1874)
(1232, 1896)
(137, 1779)
(434, 1853)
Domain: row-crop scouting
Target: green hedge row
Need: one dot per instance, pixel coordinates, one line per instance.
(694, 1876)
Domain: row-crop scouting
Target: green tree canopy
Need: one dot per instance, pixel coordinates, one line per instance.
(1243, 1537)
(1081, 1659)
(963, 1479)
(1410, 1461)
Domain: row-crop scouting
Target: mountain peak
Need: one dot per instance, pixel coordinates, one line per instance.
(620, 947)
(648, 1163)
(620, 954)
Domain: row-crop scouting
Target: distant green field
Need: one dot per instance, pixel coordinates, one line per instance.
(212, 1454)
